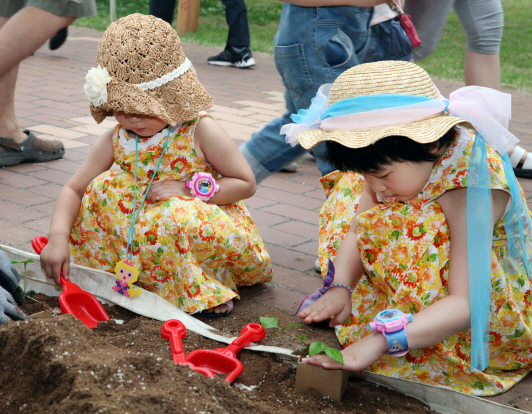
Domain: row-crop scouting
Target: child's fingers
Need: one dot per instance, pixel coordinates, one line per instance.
(340, 317)
(66, 269)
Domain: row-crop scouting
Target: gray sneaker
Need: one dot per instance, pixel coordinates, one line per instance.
(317, 266)
(239, 57)
(291, 167)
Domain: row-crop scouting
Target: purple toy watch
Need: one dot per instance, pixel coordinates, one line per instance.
(202, 185)
(392, 322)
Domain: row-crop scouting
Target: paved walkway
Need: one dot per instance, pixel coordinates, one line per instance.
(50, 101)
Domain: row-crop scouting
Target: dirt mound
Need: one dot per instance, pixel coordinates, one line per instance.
(125, 366)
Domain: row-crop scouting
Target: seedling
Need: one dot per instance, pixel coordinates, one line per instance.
(314, 348)
(24, 292)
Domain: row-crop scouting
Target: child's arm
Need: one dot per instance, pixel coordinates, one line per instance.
(55, 256)
(348, 269)
(443, 318)
(215, 146)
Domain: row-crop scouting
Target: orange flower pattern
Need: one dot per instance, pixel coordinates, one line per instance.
(182, 245)
(407, 266)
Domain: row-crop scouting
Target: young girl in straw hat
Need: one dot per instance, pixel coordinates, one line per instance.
(428, 229)
(171, 211)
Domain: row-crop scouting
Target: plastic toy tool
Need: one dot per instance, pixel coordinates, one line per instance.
(80, 303)
(211, 361)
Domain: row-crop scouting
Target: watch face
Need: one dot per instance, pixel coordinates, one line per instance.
(204, 186)
(389, 315)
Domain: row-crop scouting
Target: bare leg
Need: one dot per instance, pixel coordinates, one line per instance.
(20, 36)
(482, 70)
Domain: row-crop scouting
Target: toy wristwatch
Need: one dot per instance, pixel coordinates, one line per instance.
(392, 322)
(202, 185)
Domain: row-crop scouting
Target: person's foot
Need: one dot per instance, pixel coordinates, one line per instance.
(239, 57)
(13, 152)
(290, 167)
(317, 266)
(219, 311)
(521, 161)
(57, 40)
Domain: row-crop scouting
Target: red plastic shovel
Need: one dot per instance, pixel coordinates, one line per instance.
(223, 360)
(175, 331)
(80, 303)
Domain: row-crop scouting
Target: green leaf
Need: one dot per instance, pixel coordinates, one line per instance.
(268, 322)
(28, 260)
(18, 290)
(303, 339)
(335, 354)
(316, 348)
(31, 294)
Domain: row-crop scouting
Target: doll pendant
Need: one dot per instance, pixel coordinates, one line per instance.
(127, 274)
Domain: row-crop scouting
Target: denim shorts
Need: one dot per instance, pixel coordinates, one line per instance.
(70, 8)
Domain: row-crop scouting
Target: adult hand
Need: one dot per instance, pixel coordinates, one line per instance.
(162, 190)
(335, 302)
(357, 356)
(55, 259)
(9, 280)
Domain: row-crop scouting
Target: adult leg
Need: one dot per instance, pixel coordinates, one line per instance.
(309, 51)
(429, 17)
(163, 9)
(237, 52)
(483, 23)
(236, 16)
(20, 36)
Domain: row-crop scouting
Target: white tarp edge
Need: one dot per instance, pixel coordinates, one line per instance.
(442, 400)
(99, 283)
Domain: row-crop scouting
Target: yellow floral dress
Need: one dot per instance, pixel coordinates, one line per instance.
(192, 253)
(405, 252)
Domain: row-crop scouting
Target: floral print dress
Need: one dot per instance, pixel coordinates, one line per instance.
(405, 250)
(192, 253)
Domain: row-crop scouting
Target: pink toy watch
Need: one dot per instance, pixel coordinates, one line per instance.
(202, 185)
(392, 322)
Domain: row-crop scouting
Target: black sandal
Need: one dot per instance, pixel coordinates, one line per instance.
(31, 149)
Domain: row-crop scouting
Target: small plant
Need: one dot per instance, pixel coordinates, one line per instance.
(314, 348)
(24, 292)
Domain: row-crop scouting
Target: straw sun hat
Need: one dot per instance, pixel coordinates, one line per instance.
(142, 70)
(386, 77)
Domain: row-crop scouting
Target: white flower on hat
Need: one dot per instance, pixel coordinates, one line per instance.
(95, 86)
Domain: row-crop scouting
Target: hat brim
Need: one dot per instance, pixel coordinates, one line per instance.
(177, 101)
(423, 131)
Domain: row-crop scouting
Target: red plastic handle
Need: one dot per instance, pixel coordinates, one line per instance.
(175, 331)
(251, 332)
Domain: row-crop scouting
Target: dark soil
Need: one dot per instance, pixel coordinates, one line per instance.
(57, 365)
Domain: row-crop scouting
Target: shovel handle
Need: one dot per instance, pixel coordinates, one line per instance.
(38, 243)
(250, 333)
(175, 331)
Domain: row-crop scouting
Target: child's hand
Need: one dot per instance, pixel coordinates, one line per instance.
(162, 190)
(335, 302)
(55, 258)
(357, 357)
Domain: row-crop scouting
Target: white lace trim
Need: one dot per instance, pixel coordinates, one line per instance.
(129, 143)
(186, 65)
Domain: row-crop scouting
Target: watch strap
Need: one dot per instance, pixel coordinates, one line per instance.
(397, 343)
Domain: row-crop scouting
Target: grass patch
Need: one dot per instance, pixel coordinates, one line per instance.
(447, 62)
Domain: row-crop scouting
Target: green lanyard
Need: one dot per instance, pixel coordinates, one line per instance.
(129, 251)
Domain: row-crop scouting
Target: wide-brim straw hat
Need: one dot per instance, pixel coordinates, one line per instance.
(385, 77)
(137, 49)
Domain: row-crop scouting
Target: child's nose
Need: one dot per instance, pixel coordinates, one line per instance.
(134, 118)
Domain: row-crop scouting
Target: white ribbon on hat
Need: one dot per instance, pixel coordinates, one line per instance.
(97, 79)
(488, 110)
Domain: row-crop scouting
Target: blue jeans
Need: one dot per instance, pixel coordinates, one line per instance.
(313, 46)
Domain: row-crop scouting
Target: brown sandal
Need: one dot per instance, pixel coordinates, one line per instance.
(31, 149)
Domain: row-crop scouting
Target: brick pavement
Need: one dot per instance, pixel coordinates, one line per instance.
(50, 101)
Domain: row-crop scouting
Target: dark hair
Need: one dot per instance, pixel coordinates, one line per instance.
(385, 151)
